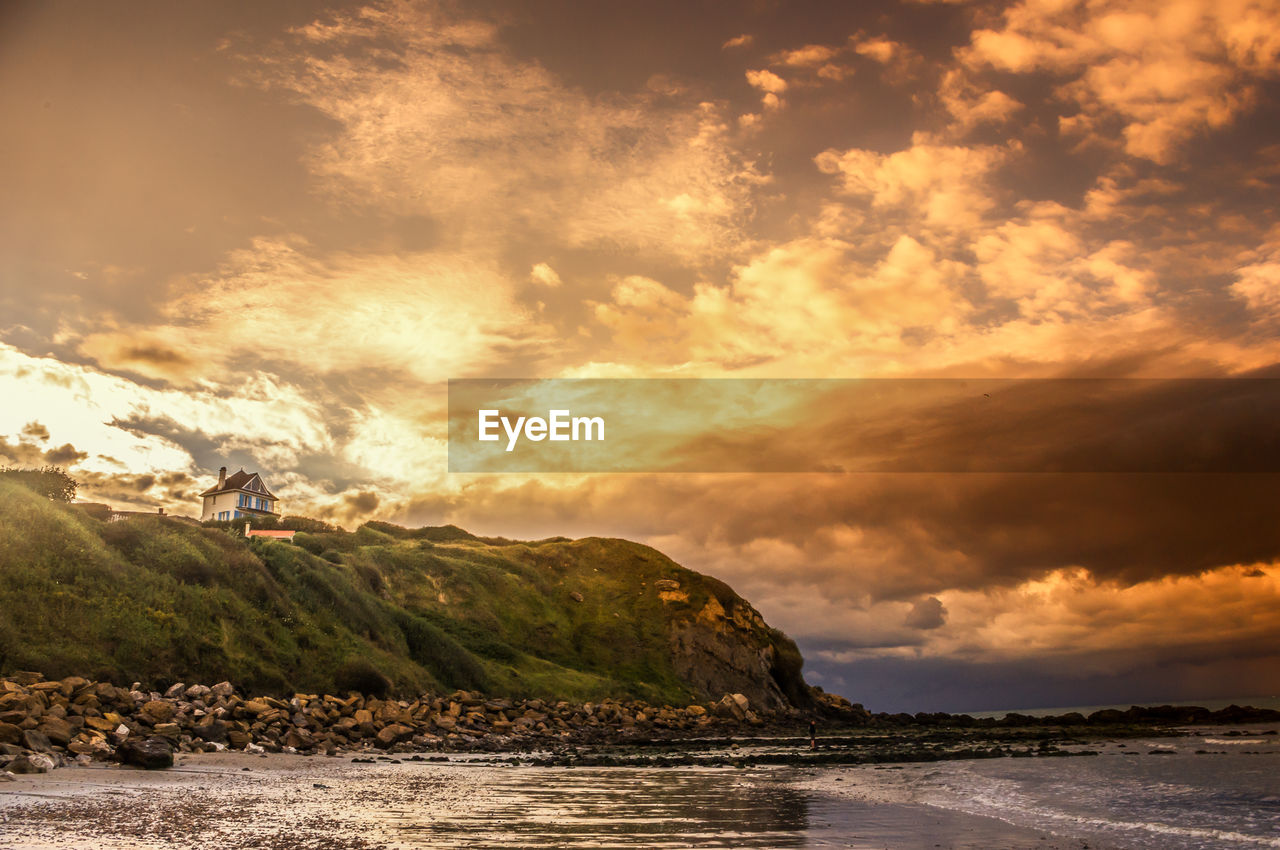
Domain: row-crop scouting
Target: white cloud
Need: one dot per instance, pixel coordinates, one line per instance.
(545, 275)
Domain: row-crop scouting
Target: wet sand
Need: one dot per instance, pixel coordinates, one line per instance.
(234, 800)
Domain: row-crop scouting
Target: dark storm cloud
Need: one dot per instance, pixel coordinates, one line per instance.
(35, 431)
(1142, 676)
(923, 533)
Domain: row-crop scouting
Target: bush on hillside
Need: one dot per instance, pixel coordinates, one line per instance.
(49, 481)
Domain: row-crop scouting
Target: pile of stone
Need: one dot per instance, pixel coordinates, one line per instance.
(43, 724)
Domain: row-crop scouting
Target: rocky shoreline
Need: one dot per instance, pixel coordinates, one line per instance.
(45, 724)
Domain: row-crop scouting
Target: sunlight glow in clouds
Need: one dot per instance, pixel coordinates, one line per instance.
(275, 249)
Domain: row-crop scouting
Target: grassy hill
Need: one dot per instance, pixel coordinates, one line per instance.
(382, 608)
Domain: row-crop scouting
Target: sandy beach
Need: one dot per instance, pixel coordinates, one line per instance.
(236, 800)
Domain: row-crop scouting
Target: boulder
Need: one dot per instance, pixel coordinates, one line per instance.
(10, 734)
(393, 734)
(213, 732)
(32, 763)
(37, 741)
(56, 729)
(728, 707)
(158, 711)
(222, 690)
(149, 753)
(71, 684)
(168, 730)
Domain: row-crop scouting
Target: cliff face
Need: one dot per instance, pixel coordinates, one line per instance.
(731, 650)
(382, 608)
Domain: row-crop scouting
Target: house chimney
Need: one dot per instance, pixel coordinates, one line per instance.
(160, 511)
(222, 477)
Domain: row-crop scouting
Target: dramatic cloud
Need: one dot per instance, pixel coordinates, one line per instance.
(276, 251)
(1165, 71)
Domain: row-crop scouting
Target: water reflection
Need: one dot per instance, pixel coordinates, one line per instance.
(610, 808)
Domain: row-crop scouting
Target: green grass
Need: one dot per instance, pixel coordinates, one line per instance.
(158, 601)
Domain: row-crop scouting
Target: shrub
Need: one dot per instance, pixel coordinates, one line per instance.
(49, 481)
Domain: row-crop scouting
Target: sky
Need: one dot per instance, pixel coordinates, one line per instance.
(267, 235)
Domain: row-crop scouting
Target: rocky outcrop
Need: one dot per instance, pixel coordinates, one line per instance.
(728, 648)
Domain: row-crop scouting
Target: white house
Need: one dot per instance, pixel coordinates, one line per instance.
(239, 496)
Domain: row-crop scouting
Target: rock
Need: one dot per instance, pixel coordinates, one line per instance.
(168, 730)
(71, 684)
(256, 706)
(102, 724)
(57, 730)
(222, 690)
(33, 763)
(150, 754)
(575, 596)
(158, 711)
(298, 739)
(393, 734)
(26, 677)
(213, 732)
(729, 707)
(176, 691)
(10, 734)
(666, 584)
(35, 740)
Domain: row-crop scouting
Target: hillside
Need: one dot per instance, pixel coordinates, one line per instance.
(379, 609)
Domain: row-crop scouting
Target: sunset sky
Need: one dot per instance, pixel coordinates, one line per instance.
(267, 235)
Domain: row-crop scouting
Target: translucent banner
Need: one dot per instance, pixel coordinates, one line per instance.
(876, 425)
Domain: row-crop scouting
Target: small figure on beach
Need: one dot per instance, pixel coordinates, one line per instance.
(813, 734)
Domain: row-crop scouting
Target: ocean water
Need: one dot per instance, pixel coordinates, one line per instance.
(1214, 790)
(1272, 702)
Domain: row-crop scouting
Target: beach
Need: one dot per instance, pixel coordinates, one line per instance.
(1209, 789)
(235, 800)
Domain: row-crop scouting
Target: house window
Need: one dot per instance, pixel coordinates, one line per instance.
(224, 515)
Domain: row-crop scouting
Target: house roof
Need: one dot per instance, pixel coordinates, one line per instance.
(270, 532)
(241, 481)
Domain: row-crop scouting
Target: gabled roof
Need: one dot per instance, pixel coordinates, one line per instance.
(241, 481)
